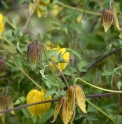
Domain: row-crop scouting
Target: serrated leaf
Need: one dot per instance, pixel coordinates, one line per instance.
(20, 100)
(75, 52)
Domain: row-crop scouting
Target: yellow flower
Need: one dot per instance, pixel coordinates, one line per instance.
(56, 9)
(39, 6)
(65, 55)
(50, 45)
(38, 96)
(109, 17)
(1, 24)
(79, 18)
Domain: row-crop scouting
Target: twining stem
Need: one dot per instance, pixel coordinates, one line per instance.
(107, 90)
(50, 66)
(9, 23)
(101, 111)
(61, 74)
(77, 9)
(28, 76)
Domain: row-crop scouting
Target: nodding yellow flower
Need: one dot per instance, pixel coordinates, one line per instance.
(50, 45)
(55, 10)
(38, 96)
(1, 24)
(39, 6)
(109, 17)
(65, 56)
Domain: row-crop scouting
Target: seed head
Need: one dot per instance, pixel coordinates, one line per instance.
(109, 17)
(58, 108)
(34, 52)
(80, 98)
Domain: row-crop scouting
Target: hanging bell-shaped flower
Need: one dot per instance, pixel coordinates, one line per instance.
(34, 52)
(38, 96)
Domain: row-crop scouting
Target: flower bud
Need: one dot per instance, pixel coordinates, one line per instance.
(2, 65)
(80, 98)
(38, 96)
(34, 52)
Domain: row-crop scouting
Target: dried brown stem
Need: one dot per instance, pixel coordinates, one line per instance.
(99, 60)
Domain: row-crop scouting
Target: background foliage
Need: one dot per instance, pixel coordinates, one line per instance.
(77, 27)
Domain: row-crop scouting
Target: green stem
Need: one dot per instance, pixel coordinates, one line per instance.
(9, 23)
(101, 111)
(8, 42)
(81, 10)
(107, 90)
(50, 66)
(28, 76)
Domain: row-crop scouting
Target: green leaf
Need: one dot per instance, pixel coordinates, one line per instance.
(42, 73)
(25, 112)
(54, 2)
(65, 29)
(60, 93)
(118, 70)
(20, 100)
(18, 48)
(110, 79)
(119, 85)
(52, 53)
(75, 52)
(49, 93)
(82, 64)
(107, 72)
(15, 33)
